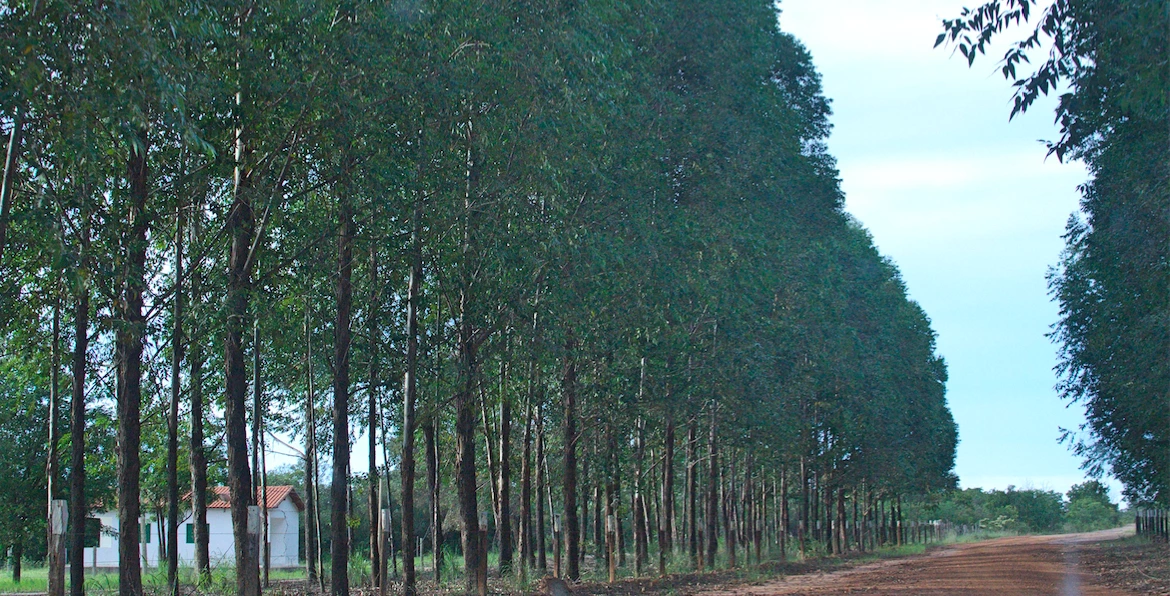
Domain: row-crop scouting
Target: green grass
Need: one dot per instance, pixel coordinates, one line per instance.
(32, 580)
(223, 579)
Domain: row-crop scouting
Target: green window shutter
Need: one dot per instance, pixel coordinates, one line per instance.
(190, 533)
(145, 533)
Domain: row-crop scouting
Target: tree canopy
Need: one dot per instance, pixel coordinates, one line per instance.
(609, 220)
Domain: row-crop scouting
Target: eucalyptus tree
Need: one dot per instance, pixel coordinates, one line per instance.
(1107, 61)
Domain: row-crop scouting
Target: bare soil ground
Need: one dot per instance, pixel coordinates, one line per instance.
(1065, 565)
(1134, 564)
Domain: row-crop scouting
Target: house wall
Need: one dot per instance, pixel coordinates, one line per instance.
(284, 538)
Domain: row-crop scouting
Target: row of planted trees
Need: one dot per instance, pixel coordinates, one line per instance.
(591, 256)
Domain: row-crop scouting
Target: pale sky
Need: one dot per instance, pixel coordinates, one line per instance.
(970, 210)
(967, 206)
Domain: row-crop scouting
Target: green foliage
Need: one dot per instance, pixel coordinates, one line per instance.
(1090, 509)
(1024, 511)
(637, 193)
(1107, 59)
(23, 412)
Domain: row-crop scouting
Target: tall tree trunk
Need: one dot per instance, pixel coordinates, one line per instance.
(14, 137)
(802, 531)
(265, 540)
(827, 501)
(842, 535)
(373, 500)
(55, 556)
(898, 527)
(712, 493)
(432, 457)
(465, 480)
(131, 327)
(409, 398)
(197, 457)
(541, 490)
(77, 506)
(311, 535)
(526, 551)
(692, 490)
(784, 514)
(611, 491)
(490, 454)
(583, 481)
(572, 524)
(668, 516)
(198, 465)
(259, 488)
(598, 515)
(465, 458)
(173, 415)
(339, 492)
(241, 228)
(641, 532)
(729, 520)
(504, 522)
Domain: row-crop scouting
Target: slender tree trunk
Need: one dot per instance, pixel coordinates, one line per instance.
(898, 528)
(78, 508)
(692, 490)
(14, 138)
(729, 529)
(198, 467)
(373, 501)
(311, 529)
(490, 455)
(569, 394)
(611, 498)
(668, 517)
(712, 493)
(842, 535)
(339, 550)
(465, 474)
(173, 416)
(526, 551)
(409, 399)
(432, 457)
(265, 540)
(465, 460)
(802, 531)
(131, 327)
(598, 514)
(197, 457)
(541, 490)
(784, 514)
(641, 532)
(504, 522)
(259, 489)
(241, 228)
(55, 555)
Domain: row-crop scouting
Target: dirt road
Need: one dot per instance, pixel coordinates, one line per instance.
(1031, 565)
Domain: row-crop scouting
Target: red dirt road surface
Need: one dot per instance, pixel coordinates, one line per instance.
(1025, 565)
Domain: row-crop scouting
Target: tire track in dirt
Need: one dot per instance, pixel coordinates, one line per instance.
(1023, 565)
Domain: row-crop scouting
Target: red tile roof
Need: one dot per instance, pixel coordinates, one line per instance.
(221, 495)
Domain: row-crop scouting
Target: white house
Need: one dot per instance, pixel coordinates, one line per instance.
(284, 508)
